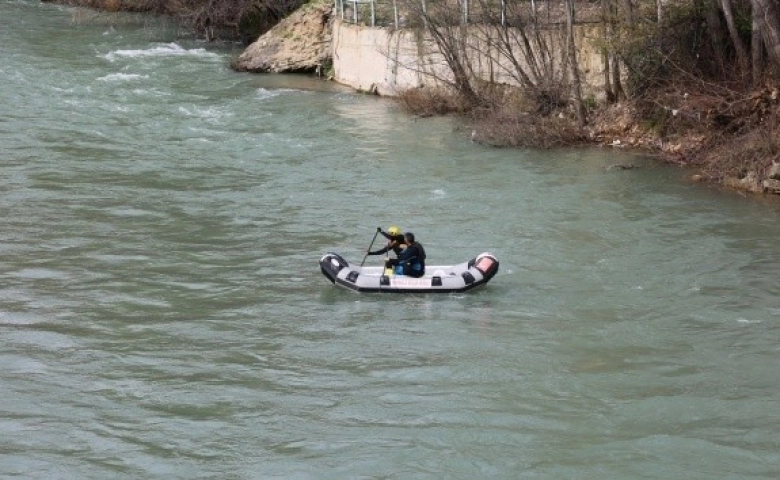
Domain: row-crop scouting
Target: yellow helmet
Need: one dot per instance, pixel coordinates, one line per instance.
(394, 230)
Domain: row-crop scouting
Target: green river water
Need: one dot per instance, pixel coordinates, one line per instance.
(162, 312)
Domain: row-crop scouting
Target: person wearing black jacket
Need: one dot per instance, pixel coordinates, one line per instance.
(411, 261)
(395, 242)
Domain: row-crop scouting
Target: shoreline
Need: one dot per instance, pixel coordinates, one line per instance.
(688, 136)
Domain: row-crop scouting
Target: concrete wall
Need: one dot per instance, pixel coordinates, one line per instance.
(389, 61)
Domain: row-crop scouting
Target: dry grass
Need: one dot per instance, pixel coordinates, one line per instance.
(724, 133)
(750, 153)
(502, 118)
(427, 101)
(505, 128)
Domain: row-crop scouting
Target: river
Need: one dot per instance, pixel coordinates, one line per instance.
(162, 313)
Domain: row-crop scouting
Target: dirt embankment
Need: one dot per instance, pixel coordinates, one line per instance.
(731, 139)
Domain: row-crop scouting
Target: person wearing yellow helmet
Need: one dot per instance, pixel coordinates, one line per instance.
(395, 241)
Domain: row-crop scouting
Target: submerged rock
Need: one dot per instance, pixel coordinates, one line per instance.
(620, 166)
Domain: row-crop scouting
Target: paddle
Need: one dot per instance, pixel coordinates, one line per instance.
(378, 229)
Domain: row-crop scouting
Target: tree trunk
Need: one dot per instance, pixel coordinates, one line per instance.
(608, 92)
(757, 50)
(739, 45)
(630, 12)
(609, 42)
(768, 14)
(617, 83)
(575, 69)
(715, 31)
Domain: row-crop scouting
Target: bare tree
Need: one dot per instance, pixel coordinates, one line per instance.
(757, 57)
(528, 49)
(613, 85)
(504, 43)
(736, 40)
(442, 21)
(766, 16)
(245, 19)
(630, 11)
(717, 37)
(579, 107)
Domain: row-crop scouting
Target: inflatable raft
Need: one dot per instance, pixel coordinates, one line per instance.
(437, 279)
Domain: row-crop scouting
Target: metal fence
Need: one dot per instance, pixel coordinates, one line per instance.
(391, 13)
(506, 13)
(365, 12)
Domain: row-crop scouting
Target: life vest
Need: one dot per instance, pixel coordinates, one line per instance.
(415, 265)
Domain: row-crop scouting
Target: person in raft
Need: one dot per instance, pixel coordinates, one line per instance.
(411, 261)
(395, 242)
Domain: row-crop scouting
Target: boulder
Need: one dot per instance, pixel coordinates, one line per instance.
(749, 183)
(774, 171)
(772, 186)
(299, 43)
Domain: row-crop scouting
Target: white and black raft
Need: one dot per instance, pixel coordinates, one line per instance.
(438, 279)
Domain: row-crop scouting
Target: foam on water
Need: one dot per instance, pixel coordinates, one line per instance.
(207, 113)
(122, 77)
(160, 50)
(266, 93)
(745, 321)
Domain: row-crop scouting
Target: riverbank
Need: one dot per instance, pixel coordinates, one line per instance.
(727, 137)
(732, 141)
(721, 134)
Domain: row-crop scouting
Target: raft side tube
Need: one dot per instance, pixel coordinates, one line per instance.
(487, 264)
(331, 264)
